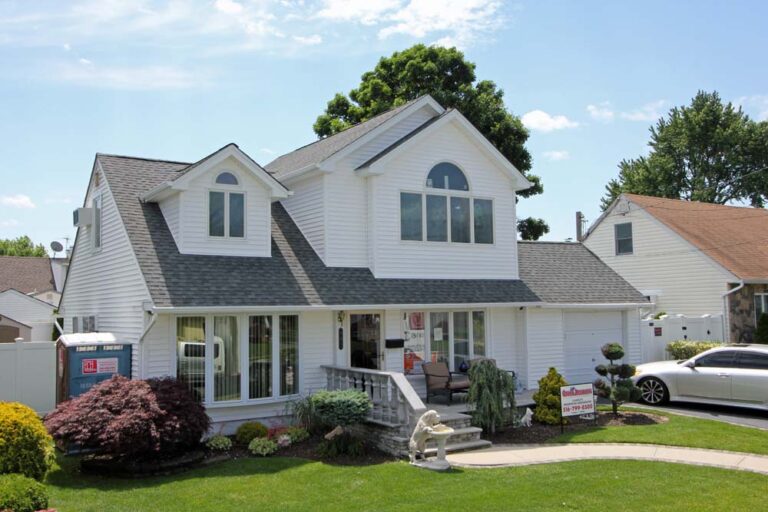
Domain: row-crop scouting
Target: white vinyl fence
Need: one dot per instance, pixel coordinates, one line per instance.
(28, 374)
(657, 333)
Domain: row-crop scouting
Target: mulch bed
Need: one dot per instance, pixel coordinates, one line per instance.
(308, 450)
(541, 433)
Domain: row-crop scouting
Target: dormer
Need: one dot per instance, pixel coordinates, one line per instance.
(220, 205)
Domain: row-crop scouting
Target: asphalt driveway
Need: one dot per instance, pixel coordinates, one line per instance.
(734, 415)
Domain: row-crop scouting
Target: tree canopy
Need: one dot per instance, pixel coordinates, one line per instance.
(21, 246)
(450, 79)
(708, 151)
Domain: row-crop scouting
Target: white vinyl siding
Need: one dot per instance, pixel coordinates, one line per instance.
(24, 309)
(307, 209)
(687, 281)
(171, 208)
(545, 343)
(107, 283)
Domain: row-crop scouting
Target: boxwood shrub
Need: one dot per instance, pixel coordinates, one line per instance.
(686, 349)
(25, 446)
(19, 493)
(341, 407)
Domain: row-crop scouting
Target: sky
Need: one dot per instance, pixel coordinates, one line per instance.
(177, 80)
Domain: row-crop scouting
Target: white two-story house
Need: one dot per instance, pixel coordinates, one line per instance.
(354, 258)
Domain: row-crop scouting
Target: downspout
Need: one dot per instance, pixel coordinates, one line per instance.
(726, 314)
(152, 320)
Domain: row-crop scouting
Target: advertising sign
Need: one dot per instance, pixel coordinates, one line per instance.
(577, 400)
(97, 366)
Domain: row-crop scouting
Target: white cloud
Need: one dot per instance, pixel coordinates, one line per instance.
(228, 6)
(648, 112)
(84, 62)
(367, 12)
(267, 151)
(9, 223)
(541, 121)
(67, 47)
(312, 40)
(17, 201)
(131, 78)
(601, 112)
(757, 103)
(557, 156)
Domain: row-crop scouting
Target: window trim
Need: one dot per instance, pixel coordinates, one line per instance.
(226, 171)
(764, 298)
(242, 323)
(616, 238)
(226, 193)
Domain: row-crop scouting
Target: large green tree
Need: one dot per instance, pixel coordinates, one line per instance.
(708, 151)
(21, 246)
(445, 74)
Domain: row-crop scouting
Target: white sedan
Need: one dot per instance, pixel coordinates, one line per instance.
(735, 375)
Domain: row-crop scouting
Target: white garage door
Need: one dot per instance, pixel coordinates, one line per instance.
(585, 333)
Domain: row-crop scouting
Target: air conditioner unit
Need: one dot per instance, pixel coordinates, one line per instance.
(82, 217)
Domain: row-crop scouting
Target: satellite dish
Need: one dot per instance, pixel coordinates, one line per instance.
(56, 246)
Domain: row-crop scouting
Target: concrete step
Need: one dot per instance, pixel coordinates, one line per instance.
(461, 447)
(460, 435)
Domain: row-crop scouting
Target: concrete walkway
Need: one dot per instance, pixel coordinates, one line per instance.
(526, 454)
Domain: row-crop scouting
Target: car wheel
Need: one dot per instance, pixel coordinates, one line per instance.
(653, 391)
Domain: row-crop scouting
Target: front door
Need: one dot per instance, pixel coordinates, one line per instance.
(365, 340)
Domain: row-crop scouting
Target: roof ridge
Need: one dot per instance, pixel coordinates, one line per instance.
(350, 127)
(562, 242)
(128, 157)
(691, 201)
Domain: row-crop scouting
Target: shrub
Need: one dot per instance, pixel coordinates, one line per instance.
(685, 349)
(620, 389)
(304, 414)
(219, 443)
(131, 418)
(491, 390)
(262, 446)
(297, 434)
(283, 441)
(346, 407)
(547, 398)
(249, 431)
(19, 493)
(25, 446)
(761, 332)
(343, 444)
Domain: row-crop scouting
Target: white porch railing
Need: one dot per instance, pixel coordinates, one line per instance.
(395, 403)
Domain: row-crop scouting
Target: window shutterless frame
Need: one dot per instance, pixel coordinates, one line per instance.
(624, 243)
(448, 196)
(227, 212)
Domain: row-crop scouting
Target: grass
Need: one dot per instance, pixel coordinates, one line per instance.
(678, 431)
(294, 484)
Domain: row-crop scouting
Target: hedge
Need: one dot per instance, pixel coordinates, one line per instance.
(686, 349)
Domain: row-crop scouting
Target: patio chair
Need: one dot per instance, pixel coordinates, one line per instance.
(442, 381)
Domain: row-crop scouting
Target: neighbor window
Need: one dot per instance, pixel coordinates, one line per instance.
(97, 222)
(449, 213)
(226, 214)
(761, 305)
(623, 238)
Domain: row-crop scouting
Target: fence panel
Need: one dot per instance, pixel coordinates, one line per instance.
(28, 374)
(657, 333)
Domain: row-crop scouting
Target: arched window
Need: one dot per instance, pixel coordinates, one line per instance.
(226, 178)
(447, 176)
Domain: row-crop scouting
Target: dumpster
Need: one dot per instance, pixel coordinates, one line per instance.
(85, 359)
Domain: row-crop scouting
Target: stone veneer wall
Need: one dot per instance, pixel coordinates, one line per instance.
(741, 312)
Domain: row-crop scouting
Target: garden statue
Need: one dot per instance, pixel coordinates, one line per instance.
(429, 427)
(527, 418)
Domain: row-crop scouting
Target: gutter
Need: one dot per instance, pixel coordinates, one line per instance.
(336, 307)
(726, 315)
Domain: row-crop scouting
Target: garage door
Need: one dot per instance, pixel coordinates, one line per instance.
(585, 333)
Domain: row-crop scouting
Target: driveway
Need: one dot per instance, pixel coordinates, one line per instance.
(734, 415)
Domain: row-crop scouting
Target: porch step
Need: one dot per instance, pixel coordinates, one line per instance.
(466, 446)
(460, 435)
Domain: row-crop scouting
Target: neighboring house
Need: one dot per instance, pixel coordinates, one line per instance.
(689, 257)
(42, 278)
(29, 295)
(367, 252)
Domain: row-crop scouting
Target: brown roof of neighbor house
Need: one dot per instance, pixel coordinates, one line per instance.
(736, 237)
(26, 274)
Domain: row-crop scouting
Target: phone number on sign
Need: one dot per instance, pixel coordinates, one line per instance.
(578, 408)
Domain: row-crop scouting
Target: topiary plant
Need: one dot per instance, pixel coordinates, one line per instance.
(25, 446)
(249, 431)
(547, 398)
(19, 493)
(492, 393)
(262, 446)
(620, 389)
(125, 418)
(761, 331)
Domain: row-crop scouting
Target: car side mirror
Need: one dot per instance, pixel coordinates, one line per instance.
(690, 364)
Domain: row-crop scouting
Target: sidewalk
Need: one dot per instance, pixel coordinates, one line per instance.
(526, 454)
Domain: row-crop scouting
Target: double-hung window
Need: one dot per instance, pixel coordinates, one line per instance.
(761, 305)
(623, 233)
(446, 211)
(226, 209)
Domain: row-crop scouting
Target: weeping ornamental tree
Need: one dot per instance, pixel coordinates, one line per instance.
(492, 392)
(619, 387)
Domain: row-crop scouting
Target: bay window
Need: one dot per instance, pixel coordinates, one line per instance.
(446, 211)
(236, 358)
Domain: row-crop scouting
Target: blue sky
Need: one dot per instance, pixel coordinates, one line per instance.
(177, 80)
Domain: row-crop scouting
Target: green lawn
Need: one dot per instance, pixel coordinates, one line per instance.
(678, 431)
(293, 484)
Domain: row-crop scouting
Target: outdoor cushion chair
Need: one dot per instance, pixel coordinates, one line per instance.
(442, 381)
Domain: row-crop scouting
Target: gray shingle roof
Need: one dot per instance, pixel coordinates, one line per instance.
(563, 272)
(293, 276)
(26, 274)
(319, 150)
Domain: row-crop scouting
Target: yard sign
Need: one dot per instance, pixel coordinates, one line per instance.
(577, 400)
